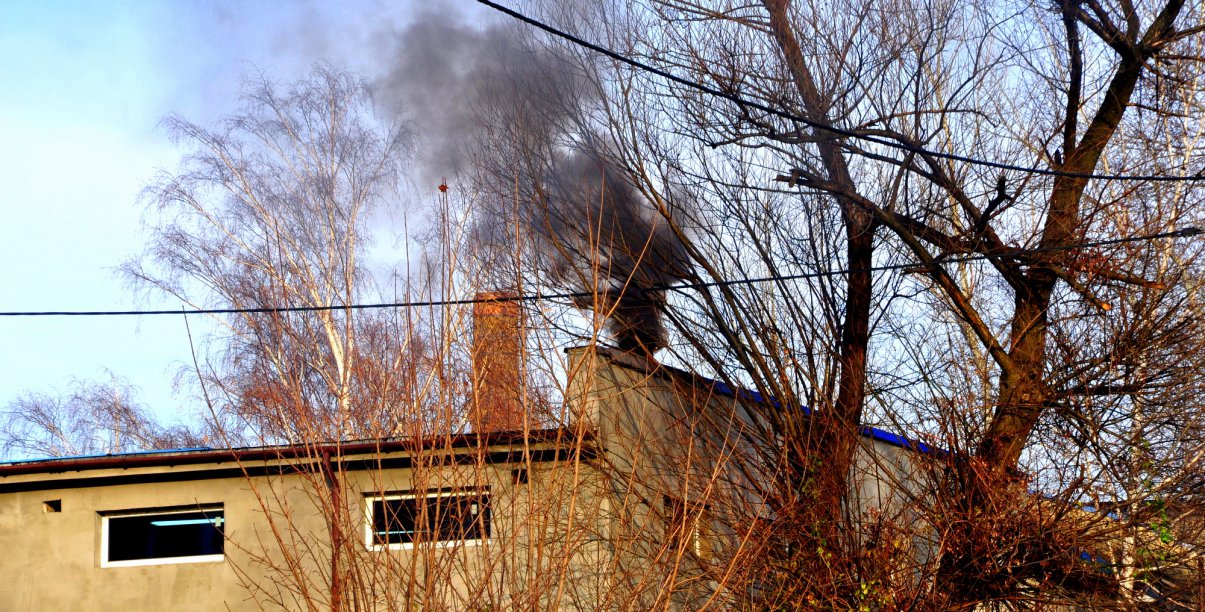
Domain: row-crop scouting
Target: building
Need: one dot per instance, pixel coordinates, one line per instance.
(617, 510)
(632, 503)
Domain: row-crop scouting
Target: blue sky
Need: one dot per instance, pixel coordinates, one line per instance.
(83, 86)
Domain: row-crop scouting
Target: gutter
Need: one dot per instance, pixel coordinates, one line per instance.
(172, 458)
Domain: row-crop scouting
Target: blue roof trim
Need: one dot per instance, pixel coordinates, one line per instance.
(900, 441)
(726, 389)
(865, 431)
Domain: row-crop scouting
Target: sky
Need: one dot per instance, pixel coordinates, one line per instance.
(83, 87)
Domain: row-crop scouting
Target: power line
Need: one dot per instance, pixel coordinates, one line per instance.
(1186, 232)
(821, 126)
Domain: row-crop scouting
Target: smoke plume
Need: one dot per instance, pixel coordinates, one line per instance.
(464, 86)
(597, 225)
(496, 107)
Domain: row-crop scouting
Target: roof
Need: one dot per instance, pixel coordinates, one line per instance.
(342, 451)
(501, 443)
(754, 397)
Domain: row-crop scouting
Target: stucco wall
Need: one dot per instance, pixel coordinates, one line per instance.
(672, 439)
(278, 551)
(53, 561)
(589, 526)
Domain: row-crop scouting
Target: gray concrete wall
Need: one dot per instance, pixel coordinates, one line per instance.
(595, 530)
(278, 552)
(670, 435)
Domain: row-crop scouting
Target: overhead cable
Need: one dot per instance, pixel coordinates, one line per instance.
(1187, 232)
(743, 102)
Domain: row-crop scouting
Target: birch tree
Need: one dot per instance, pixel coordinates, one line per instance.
(272, 210)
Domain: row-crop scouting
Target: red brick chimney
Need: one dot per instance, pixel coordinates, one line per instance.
(498, 344)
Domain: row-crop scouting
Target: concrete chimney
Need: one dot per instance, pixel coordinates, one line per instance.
(498, 344)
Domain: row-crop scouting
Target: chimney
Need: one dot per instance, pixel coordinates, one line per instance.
(498, 345)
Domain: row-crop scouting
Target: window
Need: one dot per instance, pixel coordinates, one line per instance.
(167, 535)
(689, 528)
(403, 520)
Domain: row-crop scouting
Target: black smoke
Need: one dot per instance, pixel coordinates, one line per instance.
(513, 116)
(602, 237)
(467, 87)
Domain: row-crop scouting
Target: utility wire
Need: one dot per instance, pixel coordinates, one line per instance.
(1186, 232)
(742, 102)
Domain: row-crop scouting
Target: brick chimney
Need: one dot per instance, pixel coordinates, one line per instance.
(498, 344)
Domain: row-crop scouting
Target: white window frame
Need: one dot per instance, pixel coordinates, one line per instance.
(369, 531)
(104, 536)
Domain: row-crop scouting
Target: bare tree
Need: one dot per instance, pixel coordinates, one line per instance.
(1061, 371)
(271, 211)
(847, 260)
(90, 418)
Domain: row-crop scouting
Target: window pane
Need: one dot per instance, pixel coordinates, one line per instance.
(162, 536)
(393, 521)
(436, 518)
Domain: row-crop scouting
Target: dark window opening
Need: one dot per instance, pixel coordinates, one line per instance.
(442, 517)
(167, 535)
(52, 505)
(519, 476)
(689, 528)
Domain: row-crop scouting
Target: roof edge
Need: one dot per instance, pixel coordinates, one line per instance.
(656, 368)
(174, 457)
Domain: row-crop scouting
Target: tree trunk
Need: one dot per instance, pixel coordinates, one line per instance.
(837, 428)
